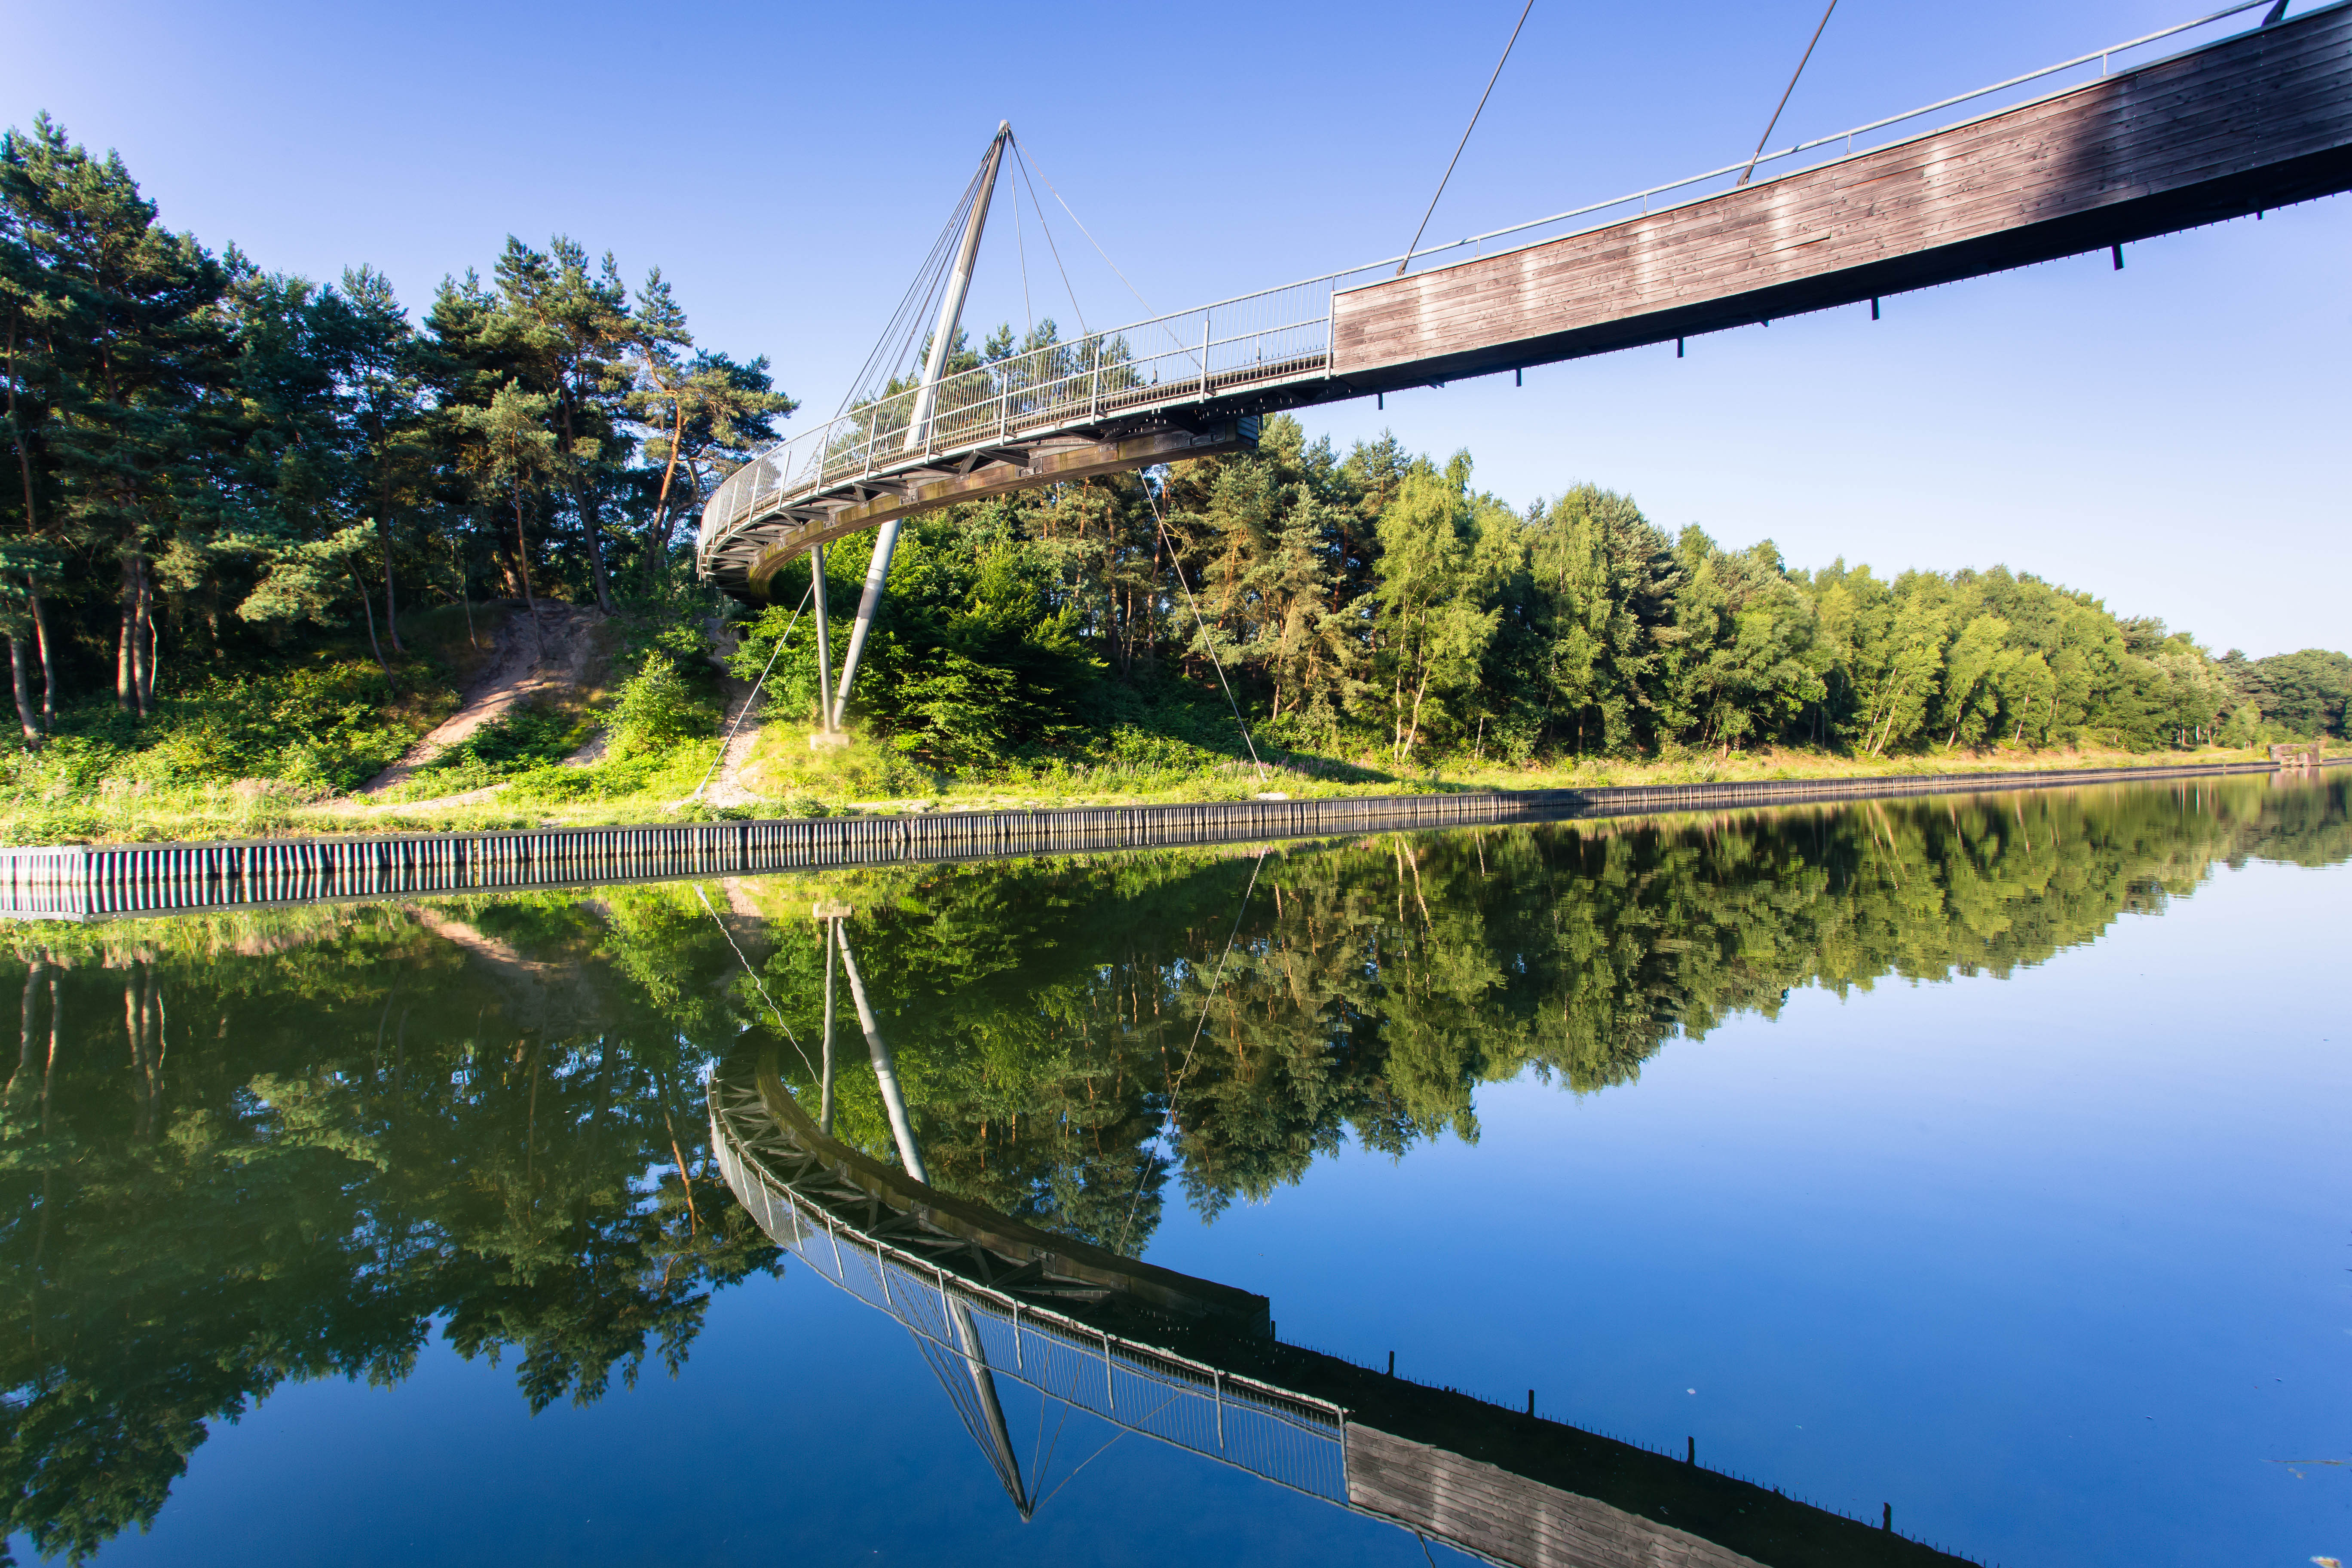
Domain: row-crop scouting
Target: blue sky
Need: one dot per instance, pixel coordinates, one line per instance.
(2168, 438)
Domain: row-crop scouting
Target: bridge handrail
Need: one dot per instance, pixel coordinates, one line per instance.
(853, 445)
(1846, 136)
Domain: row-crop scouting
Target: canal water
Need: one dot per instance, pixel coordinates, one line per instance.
(1975, 1165)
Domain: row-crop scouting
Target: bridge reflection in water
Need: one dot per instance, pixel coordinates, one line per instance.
(1194, 1363)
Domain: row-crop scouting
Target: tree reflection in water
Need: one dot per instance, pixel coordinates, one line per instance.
(235, 1150)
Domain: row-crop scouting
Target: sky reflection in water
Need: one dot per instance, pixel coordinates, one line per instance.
(2051, 1258)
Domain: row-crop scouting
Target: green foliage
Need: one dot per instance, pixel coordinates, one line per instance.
(658, 709)
(390, 1128)
(2304, 695)
(517, 742)
(325, 724)
(220, 463)
(1379, 605)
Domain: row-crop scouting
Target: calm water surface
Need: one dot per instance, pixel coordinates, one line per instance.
(1980, 1158)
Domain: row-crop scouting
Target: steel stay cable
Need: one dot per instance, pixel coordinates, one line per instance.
(1784, 98)
(757, 983)
(748, 702)
(1465, 137)
(1123, 1430)
(1163, 323)
(1159, 322)
(1021, 247)
(1209, 642)
(918, 292)
(1304, 1413)
(1037, 1466)
(1046, 229)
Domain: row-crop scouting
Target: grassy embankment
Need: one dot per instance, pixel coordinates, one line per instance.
(281, 750)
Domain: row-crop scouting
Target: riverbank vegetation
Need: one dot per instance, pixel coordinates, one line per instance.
(260, 534)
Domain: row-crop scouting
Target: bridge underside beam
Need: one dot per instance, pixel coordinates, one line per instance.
(2256, 121)
(1065, 461)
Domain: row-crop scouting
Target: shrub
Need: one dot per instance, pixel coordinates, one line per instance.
(658, 709)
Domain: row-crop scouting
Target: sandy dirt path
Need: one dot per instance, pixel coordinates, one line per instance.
(518, 674)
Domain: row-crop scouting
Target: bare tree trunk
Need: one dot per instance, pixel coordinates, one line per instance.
(23, 693)
(32, 531)
(148, 639)
(126, 641)
(48, 665)
(522, 565)
(374, 647)
(657, 535)
(590, 526)
(391, 609)
(34, 975)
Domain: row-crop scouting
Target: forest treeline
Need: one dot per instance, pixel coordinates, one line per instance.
(1377, 604)
(209, 456)
(221, 469)
(240, 1150)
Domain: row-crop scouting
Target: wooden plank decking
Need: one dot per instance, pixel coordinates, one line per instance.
(2255, 121)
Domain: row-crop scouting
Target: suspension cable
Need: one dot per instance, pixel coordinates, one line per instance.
(914, 307)
(1784, 99)
(1465, 139)
(1089, 233)
(750, 702)
(1020, 248)
(757, 983)
(1046, 229)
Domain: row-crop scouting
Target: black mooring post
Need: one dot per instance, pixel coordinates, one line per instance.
(2116, 252)
(1519, 377)
(1391, 1363)
(1380, 400)
(1690, 1455)
(1874, 307)
(1889, 1523)
(1531, 1401)
(1678, 348)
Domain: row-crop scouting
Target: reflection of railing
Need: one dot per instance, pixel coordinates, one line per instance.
(1264, 339)
(1292, 1439)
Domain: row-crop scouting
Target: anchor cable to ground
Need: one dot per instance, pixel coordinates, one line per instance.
(751, 700)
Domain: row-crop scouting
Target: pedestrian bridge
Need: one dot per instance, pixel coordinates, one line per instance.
(2089, 154)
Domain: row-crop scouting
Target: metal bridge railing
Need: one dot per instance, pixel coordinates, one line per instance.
(1860, 138)
(1265, 338)
(1257, 340)
(1289, 1439)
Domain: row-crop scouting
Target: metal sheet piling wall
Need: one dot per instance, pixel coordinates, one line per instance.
(101, 881)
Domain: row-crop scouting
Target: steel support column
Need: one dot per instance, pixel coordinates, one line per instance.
(918, 427)
(824, 685)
